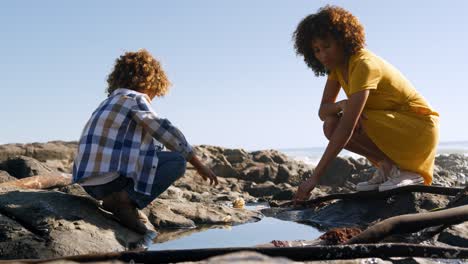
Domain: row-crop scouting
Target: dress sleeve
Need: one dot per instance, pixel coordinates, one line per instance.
(365, 76)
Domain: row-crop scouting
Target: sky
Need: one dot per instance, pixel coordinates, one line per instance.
(237, 81)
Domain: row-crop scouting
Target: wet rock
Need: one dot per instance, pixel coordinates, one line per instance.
(22, 167)
(357, 213)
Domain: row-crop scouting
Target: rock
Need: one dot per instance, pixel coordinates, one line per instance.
(22, 167)
(60, 153)
(456, 235)
(358, 213)
(285, 194)
(338, 172)
(6, 177)
(56, 224)
(259, 172)
(282, 191)
(451, 170)
(257, 166)
(236, 155)
(161, 216)
(74, 189)
(200, 213)
(246, 257)
(360, 163)
(225, 170)
(263, 189)
(17, 242)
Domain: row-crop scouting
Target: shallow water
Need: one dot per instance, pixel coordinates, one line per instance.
(244, 235)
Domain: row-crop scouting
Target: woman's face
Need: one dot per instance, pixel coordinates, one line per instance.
(328, 52)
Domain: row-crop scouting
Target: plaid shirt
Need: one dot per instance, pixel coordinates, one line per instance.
(123, 135)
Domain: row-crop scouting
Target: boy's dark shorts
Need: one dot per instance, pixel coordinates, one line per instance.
(171, 166)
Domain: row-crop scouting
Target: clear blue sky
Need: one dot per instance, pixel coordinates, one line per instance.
(237, 81)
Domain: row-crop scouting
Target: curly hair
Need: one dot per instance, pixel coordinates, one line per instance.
(138, 71)
(332, 21)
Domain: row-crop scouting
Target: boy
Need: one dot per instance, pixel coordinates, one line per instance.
(120, 157)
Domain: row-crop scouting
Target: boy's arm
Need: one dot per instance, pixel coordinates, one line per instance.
(169, 135)
(160, 128)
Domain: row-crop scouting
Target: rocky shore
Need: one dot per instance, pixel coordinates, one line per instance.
(64, 221)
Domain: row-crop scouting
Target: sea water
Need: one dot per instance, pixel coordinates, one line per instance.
(312, 155)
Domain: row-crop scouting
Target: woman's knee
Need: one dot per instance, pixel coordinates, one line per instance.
(329, 126)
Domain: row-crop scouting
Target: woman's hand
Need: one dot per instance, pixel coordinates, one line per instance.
(304, 190)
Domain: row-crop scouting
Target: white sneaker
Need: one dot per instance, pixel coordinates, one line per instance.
(399, 178)
(373, 184)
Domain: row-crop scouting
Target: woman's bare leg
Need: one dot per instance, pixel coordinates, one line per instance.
(361, 144)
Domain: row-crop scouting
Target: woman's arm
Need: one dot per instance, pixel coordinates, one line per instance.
(328, 107)
(338, 141)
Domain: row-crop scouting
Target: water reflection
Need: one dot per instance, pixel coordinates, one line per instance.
(245, 235)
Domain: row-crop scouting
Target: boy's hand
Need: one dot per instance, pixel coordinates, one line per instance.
(207, 173)
(203, 170)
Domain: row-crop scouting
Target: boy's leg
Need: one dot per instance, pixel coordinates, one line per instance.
(171, 166)
(116, 200)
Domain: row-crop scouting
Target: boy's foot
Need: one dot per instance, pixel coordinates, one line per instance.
(399, 178)
(120, 205)
(373, 184)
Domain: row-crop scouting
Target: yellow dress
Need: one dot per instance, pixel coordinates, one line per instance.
(400, 121)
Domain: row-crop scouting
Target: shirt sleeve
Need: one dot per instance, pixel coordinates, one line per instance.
(160, 128)
(365, 76)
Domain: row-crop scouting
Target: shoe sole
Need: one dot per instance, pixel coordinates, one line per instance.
(391, 187)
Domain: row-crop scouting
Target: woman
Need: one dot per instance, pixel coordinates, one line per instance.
(384, 118)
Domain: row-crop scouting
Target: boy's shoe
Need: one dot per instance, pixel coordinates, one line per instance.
(399, 178)
(373, 184)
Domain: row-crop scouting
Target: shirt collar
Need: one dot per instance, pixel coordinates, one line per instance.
(125, 91)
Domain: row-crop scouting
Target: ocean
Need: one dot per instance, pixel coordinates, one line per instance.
(312, 155)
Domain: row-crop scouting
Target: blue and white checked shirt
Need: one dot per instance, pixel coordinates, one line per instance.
(123, 136)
